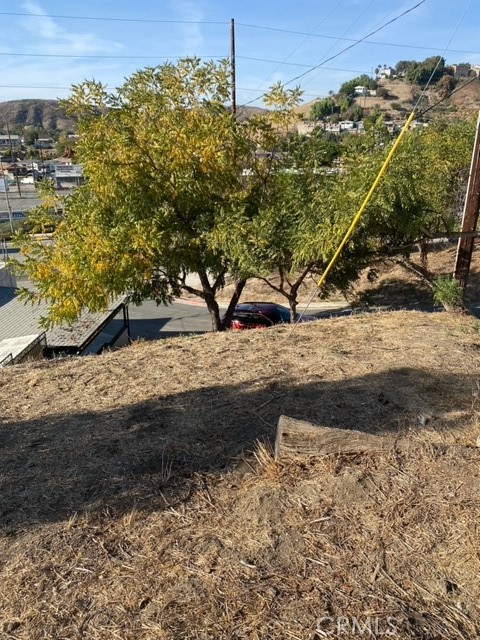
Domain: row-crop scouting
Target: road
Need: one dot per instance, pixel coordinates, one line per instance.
(27, 199)
(150, 322)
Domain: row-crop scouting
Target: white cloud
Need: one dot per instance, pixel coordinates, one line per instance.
(52, 38)
(192, 37)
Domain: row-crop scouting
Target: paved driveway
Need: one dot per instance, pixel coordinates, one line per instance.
(149, 321)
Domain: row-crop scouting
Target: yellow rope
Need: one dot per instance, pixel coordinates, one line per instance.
(359, 213)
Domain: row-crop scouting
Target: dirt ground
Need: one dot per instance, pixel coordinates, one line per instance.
(140, 498)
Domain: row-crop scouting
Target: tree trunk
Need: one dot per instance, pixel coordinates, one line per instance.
(233, 302)
(292, 301)
(214, 311)
(208, 294)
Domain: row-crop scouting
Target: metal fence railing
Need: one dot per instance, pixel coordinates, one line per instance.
(6, 361)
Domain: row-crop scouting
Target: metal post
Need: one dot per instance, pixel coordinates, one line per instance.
(470, 216)
(9, 208)
(232, 67)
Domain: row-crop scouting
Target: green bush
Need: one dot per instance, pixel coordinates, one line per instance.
(448, 292)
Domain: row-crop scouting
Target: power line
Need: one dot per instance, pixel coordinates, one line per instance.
(97, 56)
(238, 24)
(355, 43)
(339, 3)
(359, 41)
(446, 97)
(299, 64)
(440, 58)
(25, 86)
(332, 47)
(344, 39)
(105, 19)
(175, 57)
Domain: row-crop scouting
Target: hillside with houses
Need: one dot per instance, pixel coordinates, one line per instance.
(392, 93)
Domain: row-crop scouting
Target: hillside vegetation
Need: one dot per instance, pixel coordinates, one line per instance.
(132, 506)
(45, 114)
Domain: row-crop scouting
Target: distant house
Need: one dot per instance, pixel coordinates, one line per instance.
(415, 124)
(10, 142)
(22, 338)
(361, 90)
(44, 143)
(332, 127)
(392, 127)
(461, 70)
(346, 125)
(68, 176)
(386, 73)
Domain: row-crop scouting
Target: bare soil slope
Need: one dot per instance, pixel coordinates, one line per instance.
(130, 508)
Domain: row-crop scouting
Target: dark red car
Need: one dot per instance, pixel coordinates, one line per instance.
(258, 315)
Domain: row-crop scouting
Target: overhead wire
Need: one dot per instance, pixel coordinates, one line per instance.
(363, 206)
(164, 57)
(359, 41)
(332, 47)
(60, 88)
(448, 96)
(224, 23)
(440, 58)
(355, 43)
(109, 18)
(306, 37)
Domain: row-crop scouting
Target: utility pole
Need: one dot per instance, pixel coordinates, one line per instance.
(14, 162)
(9, 207)
(233, 96)
(470, 216)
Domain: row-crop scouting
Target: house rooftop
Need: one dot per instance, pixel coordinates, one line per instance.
(18, 318)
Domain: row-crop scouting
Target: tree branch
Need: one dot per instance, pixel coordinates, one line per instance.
(416, 269)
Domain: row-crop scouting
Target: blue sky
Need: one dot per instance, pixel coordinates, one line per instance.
(42, 56)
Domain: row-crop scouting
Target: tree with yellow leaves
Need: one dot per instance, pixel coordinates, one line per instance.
(166, 165)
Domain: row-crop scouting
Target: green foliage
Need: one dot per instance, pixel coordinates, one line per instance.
(445, 86)
(163, 161)
(348, 88)
(30, 135)
(354, 113)
(316, 150)
(64, 145)
(323, 109)
(447, 292)
(420, 73)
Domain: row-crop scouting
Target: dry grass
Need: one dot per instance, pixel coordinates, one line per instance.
(385, 284)
(131, 507)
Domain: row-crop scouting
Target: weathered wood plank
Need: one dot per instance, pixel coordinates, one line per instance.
(296, 437)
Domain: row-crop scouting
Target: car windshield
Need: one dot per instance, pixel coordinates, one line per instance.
(284, 313)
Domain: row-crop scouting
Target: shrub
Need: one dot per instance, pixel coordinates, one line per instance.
(448, 292)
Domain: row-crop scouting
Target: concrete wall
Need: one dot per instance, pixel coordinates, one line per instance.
(7, 279)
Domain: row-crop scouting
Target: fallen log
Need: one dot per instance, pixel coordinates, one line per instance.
(299, 438)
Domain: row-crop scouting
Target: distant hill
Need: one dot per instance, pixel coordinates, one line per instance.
(401, 96)
(244, 113)
(48, 114)
(35, 113)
